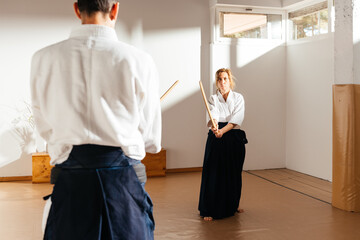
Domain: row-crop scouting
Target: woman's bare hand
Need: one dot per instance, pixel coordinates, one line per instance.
(219, 133)
(216, 128)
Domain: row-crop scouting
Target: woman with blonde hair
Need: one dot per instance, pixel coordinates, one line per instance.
(221, 181)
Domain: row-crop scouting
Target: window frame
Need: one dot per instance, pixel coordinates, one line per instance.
(216, 28)
(305, 4)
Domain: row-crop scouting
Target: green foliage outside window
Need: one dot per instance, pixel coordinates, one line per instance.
(310, 25)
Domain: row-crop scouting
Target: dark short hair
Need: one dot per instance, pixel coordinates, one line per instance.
(92, 6)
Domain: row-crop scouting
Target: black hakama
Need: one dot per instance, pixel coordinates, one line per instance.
(221, 176)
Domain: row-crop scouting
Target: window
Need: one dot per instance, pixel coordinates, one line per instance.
(309, 21)
(250, 25)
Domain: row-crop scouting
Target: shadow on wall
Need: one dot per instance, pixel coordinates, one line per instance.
(184, 132)
(357, 62)
(17, 153)
(37, 8)
(163, 14)
(155, 14)
(139, 19)
(17, 138)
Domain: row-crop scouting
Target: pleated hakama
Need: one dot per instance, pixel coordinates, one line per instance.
(222, 174)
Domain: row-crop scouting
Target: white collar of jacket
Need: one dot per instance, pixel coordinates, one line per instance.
(221, 98)
(93, 30)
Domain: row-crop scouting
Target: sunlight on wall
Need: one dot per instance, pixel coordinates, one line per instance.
(239, 55)
(248, 53)
(177, 56)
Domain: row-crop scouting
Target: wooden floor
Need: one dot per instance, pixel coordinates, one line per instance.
(302, 183)
(279, 205)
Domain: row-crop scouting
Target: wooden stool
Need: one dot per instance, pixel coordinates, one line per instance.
(41, 169)
(155, 164)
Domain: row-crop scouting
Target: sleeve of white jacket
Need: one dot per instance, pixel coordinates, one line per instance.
(42, 126)
(213, 108)
(150, 115)
(237, 116)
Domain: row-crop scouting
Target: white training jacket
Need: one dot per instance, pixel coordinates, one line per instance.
(232, 110)
(93, 89)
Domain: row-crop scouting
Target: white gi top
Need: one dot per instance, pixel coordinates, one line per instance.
(93, 89)
(231, 111)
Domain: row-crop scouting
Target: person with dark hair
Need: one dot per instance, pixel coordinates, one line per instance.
(95, 101)
(221, 180)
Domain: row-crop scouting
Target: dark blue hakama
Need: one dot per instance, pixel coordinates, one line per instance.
(97, 196)
(221, 181)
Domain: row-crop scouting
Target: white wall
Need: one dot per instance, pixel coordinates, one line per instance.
(25, 26)
(310, 75)
(288, 110)
(285, 106)
(175, 33)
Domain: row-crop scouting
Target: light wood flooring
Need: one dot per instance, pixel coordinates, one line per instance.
(279, 204)
(312, 187)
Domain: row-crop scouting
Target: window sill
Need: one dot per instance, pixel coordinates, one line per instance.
(309, 39)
